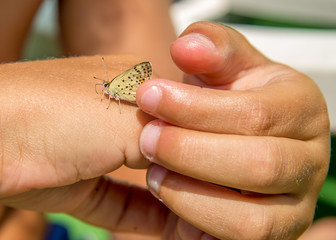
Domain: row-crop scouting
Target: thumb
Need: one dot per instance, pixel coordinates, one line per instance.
(216, 54)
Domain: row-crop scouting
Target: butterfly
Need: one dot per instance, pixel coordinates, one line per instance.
(125, 85)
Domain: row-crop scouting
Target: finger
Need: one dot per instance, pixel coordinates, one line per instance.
(185, 231)
(221, 212)
(258, 164)
(271, 110)
(268, 98)
(52, 146)
(103, 202)
(214, 52)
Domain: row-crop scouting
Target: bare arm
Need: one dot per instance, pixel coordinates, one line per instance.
(138, 27)
(58, 140)
(15, 20)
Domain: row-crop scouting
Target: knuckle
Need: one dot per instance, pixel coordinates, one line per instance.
(268, 168)
(256, 118)
(266, 224)
(259, 225)
(323, 118)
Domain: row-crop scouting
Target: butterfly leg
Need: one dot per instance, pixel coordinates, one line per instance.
(119, 106)
(101, 99)
(109, 102)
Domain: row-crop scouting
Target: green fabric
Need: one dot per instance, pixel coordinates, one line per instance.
(328, 193)
(232, 18)
(326, 205)
(77, 229)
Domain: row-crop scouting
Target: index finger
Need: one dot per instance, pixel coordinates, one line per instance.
(275, 109)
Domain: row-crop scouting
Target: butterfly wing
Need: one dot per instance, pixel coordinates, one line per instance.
(125, 85)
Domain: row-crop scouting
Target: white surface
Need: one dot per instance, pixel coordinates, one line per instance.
(306, 50)
(188, 11)
(299, 11)
(312, 52)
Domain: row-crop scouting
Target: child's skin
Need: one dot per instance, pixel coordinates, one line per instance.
(58, 140)
(265, 130)
(120, 26)
(15, 19)
(56, 131)
(269, 136)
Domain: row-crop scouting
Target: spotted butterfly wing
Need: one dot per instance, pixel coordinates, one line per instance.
(125, 85)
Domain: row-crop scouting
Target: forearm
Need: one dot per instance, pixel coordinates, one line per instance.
(21, 224)
(15, 20)
(53, 122)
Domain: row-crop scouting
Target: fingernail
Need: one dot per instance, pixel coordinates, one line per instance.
(149, 138)
(197, 40)
(155, 177)
(151, 99)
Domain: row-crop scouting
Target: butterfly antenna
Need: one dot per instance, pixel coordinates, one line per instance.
(103, 60)
(100, 79)
(96, 87)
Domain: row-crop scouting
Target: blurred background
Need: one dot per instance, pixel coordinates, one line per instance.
(299, 33)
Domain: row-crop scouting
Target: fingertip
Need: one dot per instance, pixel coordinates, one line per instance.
(155, 176)
(217, 53)
(141, 90)
(194, 53)
(149, 138)
(150, 99)
(149, 95)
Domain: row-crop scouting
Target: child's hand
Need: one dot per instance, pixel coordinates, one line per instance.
(243, 156)
(57, 140)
